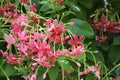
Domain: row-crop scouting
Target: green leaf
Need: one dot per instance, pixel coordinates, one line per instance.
(103, 69)
(65, 64)
(80, 57)
(105, 46)
(87, 3)
(74, 7)
(80, 11)
(81, 28)
(115, 4)
(114, 54)
(44, 8)
(116, 40)
(91, 77)
(3, 31)
(66, 13)
(9, 70)
(53, 73)
(41, 71)
(98, 57)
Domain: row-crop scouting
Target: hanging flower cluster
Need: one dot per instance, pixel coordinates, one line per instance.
(103, 26)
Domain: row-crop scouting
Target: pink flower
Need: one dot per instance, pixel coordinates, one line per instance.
(55, 34)
(22, 48)
(71, 23)
(22, 19)
(77, 51)
(38, 36)
(24, 1)
(13, 59)
(23, 36)
(32, 46)
(60, 53)
(101, 39)
(94, 69)
(12, 15)
(44, 76)
(48, 23)
(78, 64)
(76, 40)
(16, 28)
(43, 61)
(43, 48)
(5, 54)
(9, 39)
(35, 19)
(33, 77)
(32, 7)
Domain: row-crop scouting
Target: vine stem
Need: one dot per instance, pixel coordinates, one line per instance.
(2, 40)
(62, 73)
(5, 73)
(111, 71)
(78, 73)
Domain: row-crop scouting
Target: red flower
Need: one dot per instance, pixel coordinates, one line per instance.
(60, 2)
(33, 7)
(10, 40)
(25, 1)
(13, 59)
(76, 40)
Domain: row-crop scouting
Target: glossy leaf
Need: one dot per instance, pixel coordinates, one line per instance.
(53, 73)
(9, 70)
(65, 64)
(81, 28)
(98, 57)
(87, 3)
(114, 54)
(116, 40)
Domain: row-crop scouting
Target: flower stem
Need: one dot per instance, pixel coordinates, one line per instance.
(62, 73)
(111, 71)
(78, 73)
(2, 40)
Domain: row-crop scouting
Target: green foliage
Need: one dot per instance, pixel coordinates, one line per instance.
(98, 57)
(8, 69)
(65, 64)
(87, 3)
(81, 28)
(3, 31)
(114, 54)
(53, 73)
(116, 40)
(79, 12)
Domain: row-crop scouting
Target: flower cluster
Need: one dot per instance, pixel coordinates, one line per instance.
(105, 27)
(37, 42)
